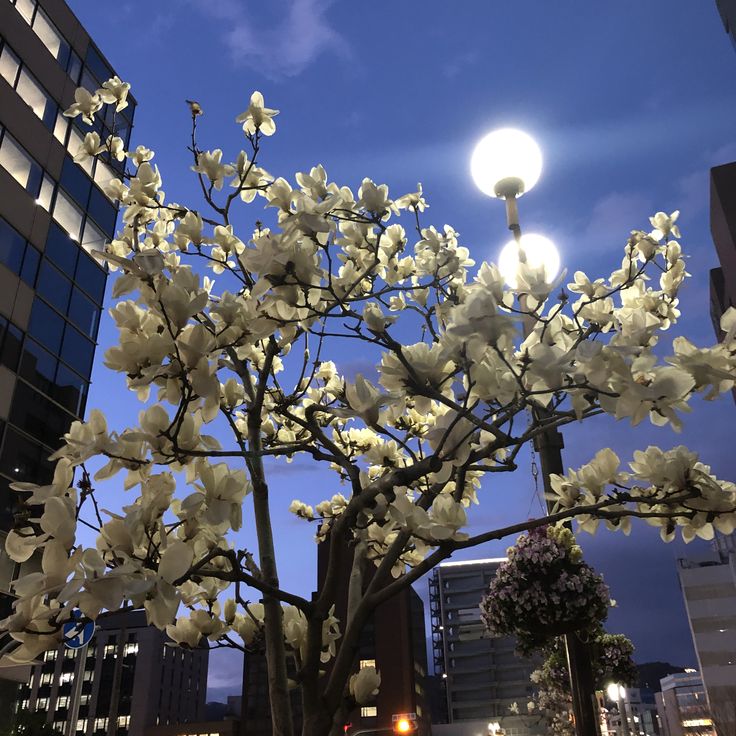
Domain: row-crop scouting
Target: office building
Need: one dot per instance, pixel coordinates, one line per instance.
(727, 9)
(682, 706)
(709, 589)
(394, 641)
(53, 212)
(483, 675)
(125, 680)
(723, 232)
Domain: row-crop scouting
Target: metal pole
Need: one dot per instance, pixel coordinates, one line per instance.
(549, 446)
(79, 664)
(625, 730)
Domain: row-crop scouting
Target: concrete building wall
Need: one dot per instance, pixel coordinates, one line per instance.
(709, 589)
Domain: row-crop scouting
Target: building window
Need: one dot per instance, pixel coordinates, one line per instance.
(130, 648)
(9, 65)
(34, 95)
(46, 31)
(367, 663)
(19, 164)
(123, 721)
(68, 215)
(368, 711)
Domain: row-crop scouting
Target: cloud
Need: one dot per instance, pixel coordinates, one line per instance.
(224, 674)
(613, 216)
(284, 47)
(462, 61)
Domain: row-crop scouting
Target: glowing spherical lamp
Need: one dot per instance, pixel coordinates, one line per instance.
(539, 252)
(506, 163)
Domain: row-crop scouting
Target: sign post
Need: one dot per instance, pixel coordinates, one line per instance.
(76, 635)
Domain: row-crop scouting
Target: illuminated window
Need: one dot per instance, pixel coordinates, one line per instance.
(367, 663)
(33, 94)
(47, 32)
(19, 164)
(109, 649)
(101, 724)
(42, 704)
(45, 196)
(368, 711)
(69, 216)
(46, 678)
(695, 722)
(50, 656)
(26, 8)
(418, 710)
(66, 677)
(81, 725)
(103, 174)
(130, 647)
(9, 66)
(123, 721)
(62, 702)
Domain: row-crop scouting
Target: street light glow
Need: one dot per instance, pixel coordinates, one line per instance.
(506, 163)
(540, 252)
(403, 725)
(616, 692)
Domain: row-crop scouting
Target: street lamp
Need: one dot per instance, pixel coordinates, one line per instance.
(533, 249)
(617, 693)
(505, 164)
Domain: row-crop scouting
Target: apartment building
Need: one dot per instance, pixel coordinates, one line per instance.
(483, 675)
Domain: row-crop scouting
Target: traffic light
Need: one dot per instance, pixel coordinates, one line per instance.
(404, 723)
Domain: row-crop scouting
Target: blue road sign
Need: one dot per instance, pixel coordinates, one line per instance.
(78, 633)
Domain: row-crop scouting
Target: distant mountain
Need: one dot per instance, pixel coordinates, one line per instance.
(215, 711)
(650, 673)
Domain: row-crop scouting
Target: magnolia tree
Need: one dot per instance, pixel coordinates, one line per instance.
(231, 335)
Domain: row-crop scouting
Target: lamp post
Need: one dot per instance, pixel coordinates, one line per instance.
(506, 164)
(617, 693)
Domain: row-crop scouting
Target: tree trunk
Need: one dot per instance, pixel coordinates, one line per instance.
(278, 689)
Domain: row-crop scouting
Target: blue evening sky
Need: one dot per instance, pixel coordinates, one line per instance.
(631, 103)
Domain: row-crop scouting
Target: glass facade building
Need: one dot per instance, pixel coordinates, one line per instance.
(53, 214)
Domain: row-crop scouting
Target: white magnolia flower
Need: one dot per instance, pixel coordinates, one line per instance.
(664, 224)
(364, 684)
(90, 146)
(258, 116)
(115, 92)
(209, 163)
(85, 104)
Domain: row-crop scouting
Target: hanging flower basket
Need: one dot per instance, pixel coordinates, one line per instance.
(544, 590)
